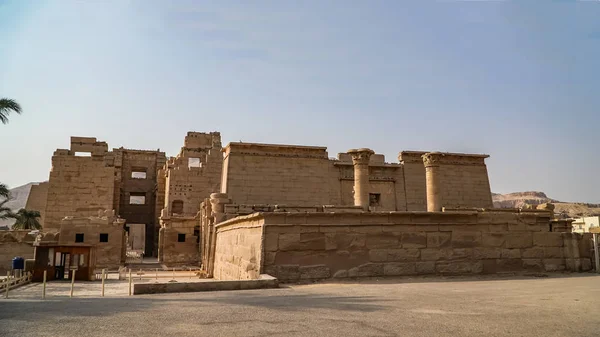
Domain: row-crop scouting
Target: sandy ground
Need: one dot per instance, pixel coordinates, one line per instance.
(560, 305)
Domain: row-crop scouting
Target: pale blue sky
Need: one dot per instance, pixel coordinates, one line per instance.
(518, 80)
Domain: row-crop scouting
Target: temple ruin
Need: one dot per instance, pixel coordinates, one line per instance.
(293, 212)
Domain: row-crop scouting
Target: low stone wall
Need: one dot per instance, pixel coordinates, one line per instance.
(262, 282)
(13, 244)
(297, 246)
(238, 252)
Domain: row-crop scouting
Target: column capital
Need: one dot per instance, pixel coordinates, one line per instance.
(361, 156)
(432, 158)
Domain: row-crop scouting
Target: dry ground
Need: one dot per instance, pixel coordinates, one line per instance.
(554, 306)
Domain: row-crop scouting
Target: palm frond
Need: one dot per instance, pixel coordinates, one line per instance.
(7, 106)
(27, 219)
(4, 191)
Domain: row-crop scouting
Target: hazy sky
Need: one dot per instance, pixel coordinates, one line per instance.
(519, 80)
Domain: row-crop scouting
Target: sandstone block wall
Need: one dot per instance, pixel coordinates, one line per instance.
(109, 254)
(414, 180)
(284, 174)
(80, 186)
(305, 176)
(464, 181)
(190, 185)
(13, 244)
(171, 251)
(126, 162)
(300, 246)
(238, 251)
(386, 180)
(36, 200)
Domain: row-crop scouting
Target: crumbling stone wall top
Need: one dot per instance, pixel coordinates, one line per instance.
(202, 140)
(276, 150)
(88, 144)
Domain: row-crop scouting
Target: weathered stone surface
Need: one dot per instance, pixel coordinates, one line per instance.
(344, 241)
(518, 240)
(532, 253)
(320, 271)
(489, 266)
(271, 243)
(302, 241)
(284, 272)
(486, 253)
(425, 267)
(414, 240)
(554, 264)
(367, 270)
(458, 267)
(492, 239)
(533, 264)
(439, 239)
(405, 254)
(553, 252)
(509, 265)
(341, 274)
(399, 268)
(375, 241)
(511, 253)
(435, 254)
(547, 239)
(463, 239)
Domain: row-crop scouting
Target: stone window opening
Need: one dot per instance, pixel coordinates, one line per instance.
(374, 199)
(79, 237)
(137, 198)
(138, 173)
(194, 162)
(103, 237)
(180, 237)
(83, 154)
(177, 207)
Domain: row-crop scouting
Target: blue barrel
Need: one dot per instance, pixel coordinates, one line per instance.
(18, 263)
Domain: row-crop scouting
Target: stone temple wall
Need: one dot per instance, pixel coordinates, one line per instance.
(104, 232)
(194, 174)
(36, 200)
(12, 244)
(297, 246)
(80, 186)
(462, 179)
(178, 241)
(305, 176)
(264, 173)
(238, 253)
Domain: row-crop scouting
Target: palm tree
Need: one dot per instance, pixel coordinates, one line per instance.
(4, 192)
(5, 212)
(26, 219)
(7, 106)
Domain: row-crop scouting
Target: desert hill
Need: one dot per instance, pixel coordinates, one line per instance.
(18, 200)
(567, 209)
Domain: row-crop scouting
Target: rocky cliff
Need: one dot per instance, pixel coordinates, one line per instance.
(567, 209)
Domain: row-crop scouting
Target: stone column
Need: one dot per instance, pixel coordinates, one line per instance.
(218, 201)
(432, 179)
(360, 159)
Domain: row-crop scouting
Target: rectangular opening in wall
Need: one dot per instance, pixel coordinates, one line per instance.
(79, 237)
(103, 237)
(194, 162)
(138, 173)
(180, 237)
(374, 199)
(83, 154)
(137, 198)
